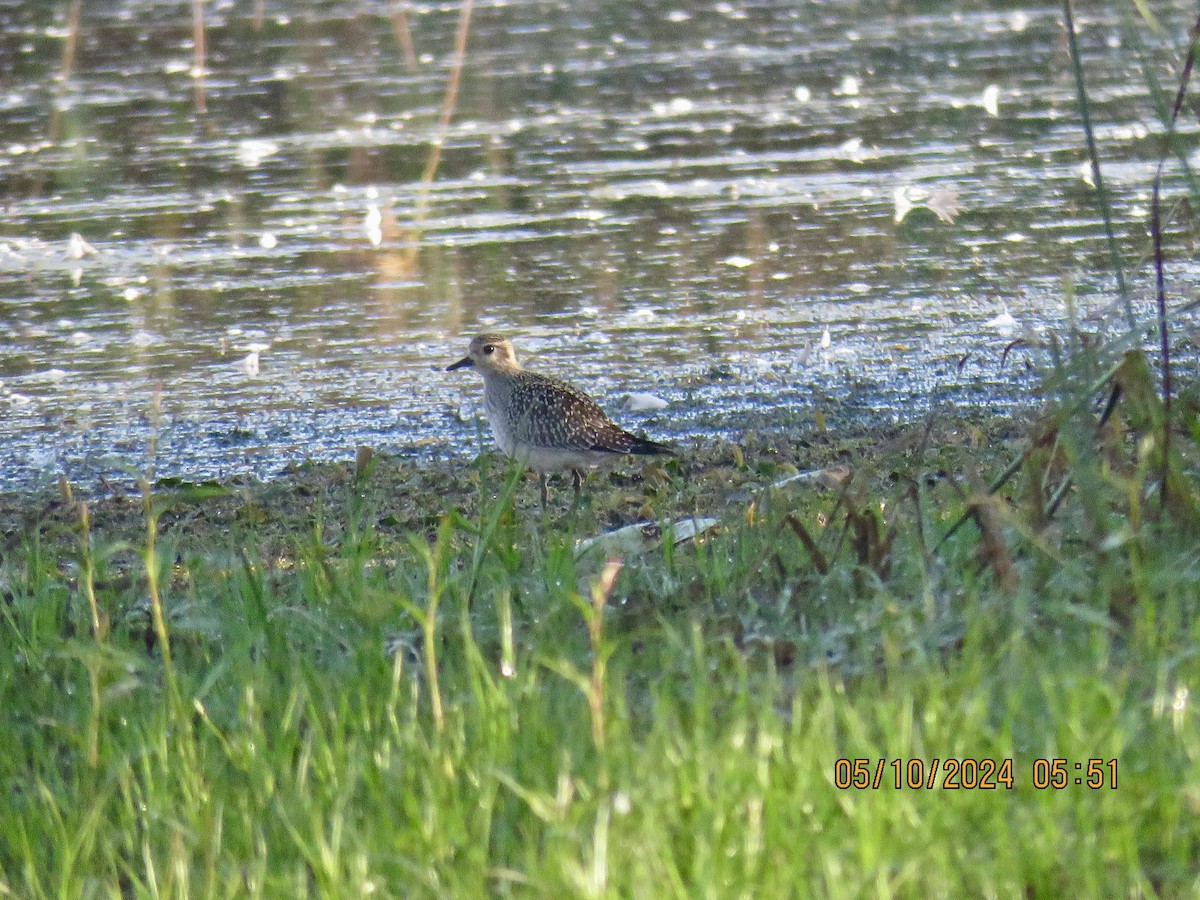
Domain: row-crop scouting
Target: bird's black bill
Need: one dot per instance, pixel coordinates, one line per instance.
(461, 364)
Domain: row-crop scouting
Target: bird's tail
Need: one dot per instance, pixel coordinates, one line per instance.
(644, 447)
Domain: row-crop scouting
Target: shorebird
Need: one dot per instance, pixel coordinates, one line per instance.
(544, 422)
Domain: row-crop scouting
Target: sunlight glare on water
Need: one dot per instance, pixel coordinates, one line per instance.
(746, 210)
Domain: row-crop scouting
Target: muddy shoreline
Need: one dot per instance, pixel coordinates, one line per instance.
(399, 497)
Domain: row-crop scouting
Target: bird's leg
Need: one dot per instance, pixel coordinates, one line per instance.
(545, 493)
(576, 482)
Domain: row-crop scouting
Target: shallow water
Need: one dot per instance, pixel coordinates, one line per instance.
(697, 201)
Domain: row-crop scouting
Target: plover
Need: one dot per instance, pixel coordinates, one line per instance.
(544, 422)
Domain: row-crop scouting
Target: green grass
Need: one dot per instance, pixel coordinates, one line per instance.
(358, 700)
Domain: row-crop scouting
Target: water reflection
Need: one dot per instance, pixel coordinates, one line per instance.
(695, 201)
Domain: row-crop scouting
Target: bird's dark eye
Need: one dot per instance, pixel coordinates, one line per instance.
(489, 349)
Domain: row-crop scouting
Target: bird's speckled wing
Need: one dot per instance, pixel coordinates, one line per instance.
(547, 412)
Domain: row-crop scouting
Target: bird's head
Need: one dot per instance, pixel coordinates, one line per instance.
(489, 353)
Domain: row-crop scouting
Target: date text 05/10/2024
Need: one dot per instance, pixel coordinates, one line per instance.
(972, 774)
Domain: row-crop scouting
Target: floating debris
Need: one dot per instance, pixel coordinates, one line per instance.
(642, 537)
(78, 248)
(251, 153)
(373, 225)
(852, 149)
(1003, 323)
(942, 202)
(831, 477)
(990, 100)
(643, 403)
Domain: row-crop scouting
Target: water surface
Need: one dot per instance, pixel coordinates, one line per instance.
(694, 200)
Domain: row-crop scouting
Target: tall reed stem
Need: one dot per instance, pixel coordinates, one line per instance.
(199, 55)
(450, 99)
(1094, 156)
